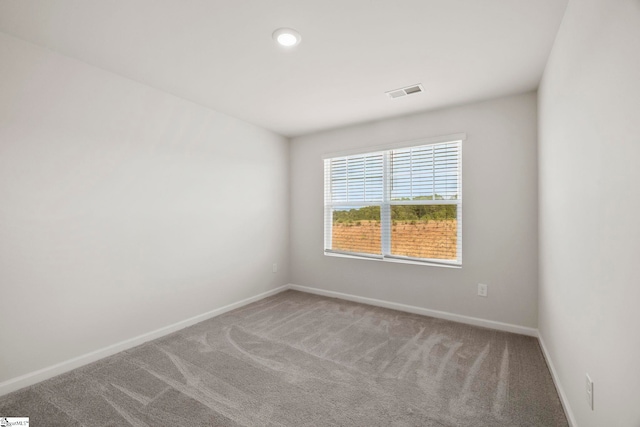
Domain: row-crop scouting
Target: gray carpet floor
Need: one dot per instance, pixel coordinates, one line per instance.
(297, 359)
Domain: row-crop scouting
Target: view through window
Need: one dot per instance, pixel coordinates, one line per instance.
(402, 203)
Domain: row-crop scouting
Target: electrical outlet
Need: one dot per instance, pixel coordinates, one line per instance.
(589, 385)
(275, 267)
(482, 290)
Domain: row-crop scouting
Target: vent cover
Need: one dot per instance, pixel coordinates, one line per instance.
(409, 90)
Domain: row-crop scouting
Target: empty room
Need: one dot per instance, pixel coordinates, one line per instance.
(320, 213)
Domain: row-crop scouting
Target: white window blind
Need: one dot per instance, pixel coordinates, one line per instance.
(403, 203)
(357, 179)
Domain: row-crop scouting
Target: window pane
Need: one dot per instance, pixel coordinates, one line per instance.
(424, 231)
(356, 230)
(429, 172)
(355, 178)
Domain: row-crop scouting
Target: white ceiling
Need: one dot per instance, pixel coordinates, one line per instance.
(220, 54)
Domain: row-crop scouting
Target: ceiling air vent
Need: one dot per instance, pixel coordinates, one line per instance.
(409, 90)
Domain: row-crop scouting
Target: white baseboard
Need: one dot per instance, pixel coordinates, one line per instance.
(68, 365)
(492, 324)
(556, 380)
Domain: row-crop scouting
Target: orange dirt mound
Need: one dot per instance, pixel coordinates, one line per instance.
(419, 239)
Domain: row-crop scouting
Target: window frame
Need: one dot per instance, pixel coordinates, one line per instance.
(386, 203)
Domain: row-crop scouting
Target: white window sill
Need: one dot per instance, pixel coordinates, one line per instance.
(394, 260)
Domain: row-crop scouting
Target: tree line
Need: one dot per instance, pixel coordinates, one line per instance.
(398, 213)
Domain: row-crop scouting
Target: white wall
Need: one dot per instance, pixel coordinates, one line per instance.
(124, 209)
(589, 156)
(499, 214)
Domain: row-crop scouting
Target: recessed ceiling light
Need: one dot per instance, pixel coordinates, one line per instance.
(287, 37)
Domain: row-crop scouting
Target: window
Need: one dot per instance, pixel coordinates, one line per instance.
(397, 204)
